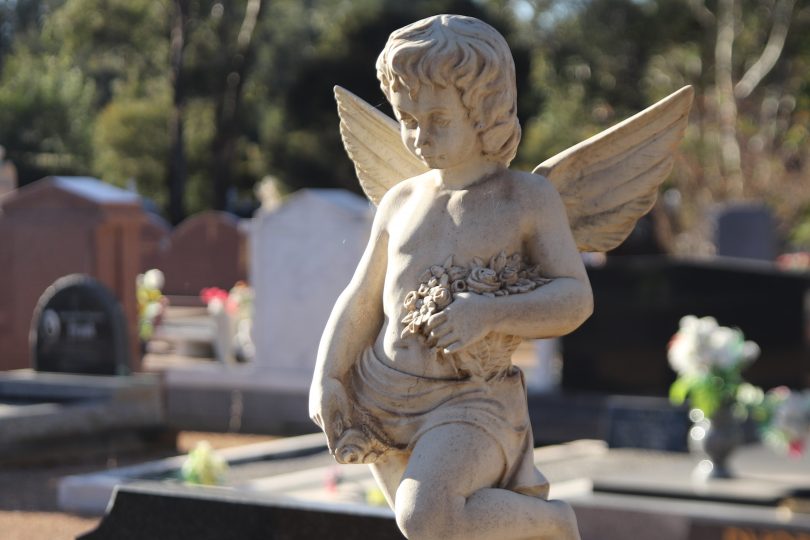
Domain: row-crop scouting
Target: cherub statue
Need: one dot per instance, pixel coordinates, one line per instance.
(467, 258)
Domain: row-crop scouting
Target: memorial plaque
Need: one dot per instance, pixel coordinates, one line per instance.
(640, 425)
(79, 327)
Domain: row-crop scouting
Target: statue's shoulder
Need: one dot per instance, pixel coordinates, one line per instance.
(402, 191)
(529, 188)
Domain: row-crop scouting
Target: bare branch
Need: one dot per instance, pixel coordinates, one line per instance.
(703, 14)
(770, 55)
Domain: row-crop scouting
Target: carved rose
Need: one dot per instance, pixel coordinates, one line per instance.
(458, 285)
(441, 296)
(483, 280)
(509, 275)
(410, 300)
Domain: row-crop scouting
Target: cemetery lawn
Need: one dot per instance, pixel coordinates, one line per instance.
(28, 493)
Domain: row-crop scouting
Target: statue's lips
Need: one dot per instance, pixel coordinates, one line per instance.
(427, 158)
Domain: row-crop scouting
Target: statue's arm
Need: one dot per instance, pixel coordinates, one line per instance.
(353, 325)
(560, 306)
(552, 310)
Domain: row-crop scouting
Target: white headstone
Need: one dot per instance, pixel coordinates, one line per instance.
(302, 255)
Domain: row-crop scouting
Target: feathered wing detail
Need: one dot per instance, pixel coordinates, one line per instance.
(373, 143)
(609, 181)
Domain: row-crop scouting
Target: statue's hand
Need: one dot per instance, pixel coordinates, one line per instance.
(464, 322)
(329, 407)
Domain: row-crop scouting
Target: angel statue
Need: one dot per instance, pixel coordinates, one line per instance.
(466, 258)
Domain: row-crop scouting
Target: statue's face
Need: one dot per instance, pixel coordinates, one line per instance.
(436, 127)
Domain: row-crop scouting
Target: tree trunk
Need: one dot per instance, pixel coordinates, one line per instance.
(177, 166)
(223, 146)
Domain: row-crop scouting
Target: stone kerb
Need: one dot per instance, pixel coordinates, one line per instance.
(303, 255)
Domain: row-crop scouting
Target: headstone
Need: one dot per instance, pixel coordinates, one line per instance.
(59, 226)
(155, 242)
(303, 255)
(79, 327)
(632, 423)
(746, 231)
(622, 347)
(207, 250)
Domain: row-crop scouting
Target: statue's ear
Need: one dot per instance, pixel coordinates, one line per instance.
(373, 143)
(609, 181)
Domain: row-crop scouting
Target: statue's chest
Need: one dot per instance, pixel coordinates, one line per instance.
(464, 227)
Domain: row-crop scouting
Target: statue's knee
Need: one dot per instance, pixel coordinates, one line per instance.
(421, 517)
(566, 520)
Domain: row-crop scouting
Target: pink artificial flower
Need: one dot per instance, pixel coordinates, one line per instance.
(210, 293)
(796, 448)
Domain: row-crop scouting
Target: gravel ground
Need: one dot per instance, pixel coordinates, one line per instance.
(28, 503)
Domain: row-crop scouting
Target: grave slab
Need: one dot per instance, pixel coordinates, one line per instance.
(42, 414)
(146, 510)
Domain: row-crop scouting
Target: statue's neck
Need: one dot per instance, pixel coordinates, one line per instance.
(466, 174)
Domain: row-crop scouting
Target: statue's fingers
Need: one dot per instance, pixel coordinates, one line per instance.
(446, 340)
(333, 432)
(454, 347)
(436, 320)
(439, 332)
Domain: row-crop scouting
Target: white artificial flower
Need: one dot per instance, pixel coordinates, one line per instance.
(215, 306)
(154, 279)
(725, 346)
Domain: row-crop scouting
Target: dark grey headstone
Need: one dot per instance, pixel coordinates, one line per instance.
(746, 231)
(79, 327)
(622, 347)
(178, 512)
(635, 424)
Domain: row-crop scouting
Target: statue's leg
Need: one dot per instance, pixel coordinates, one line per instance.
(388, 472)
(446, 493)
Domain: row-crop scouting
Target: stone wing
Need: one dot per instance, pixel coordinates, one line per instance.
(373, 143)
(609, 181)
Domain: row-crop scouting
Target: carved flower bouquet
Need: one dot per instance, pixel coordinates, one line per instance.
(438, 286)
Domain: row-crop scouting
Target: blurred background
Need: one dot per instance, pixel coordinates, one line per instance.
(192, 103)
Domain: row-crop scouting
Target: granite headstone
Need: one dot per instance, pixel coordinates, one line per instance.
(79, 327)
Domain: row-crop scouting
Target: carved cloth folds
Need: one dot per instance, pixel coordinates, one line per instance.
(403, 407)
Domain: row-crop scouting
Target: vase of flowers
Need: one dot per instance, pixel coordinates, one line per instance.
(709, 360)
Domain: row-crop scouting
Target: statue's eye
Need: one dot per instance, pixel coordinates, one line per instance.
(408, 121)
(442, 121)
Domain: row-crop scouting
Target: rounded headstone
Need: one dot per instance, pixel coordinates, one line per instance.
(79, 327)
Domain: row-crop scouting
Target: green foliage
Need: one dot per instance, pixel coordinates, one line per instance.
(86, 87)
(46, 112)
(130, 142)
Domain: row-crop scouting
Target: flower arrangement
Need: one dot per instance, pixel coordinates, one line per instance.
(438, 285)
(787, 420)
(203, 466)
(235, 306)
(709, 360)
(151, 302)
